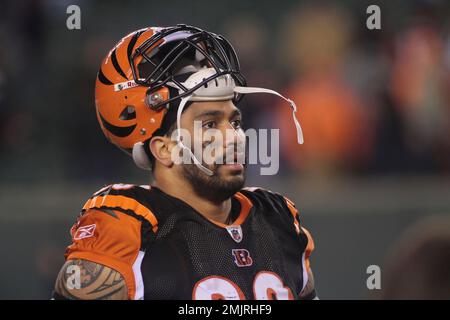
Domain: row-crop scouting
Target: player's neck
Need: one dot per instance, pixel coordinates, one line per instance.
(217, 212)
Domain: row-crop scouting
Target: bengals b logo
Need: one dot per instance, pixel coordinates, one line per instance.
(242, 257)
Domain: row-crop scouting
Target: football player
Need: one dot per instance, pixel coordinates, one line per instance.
(195, 232)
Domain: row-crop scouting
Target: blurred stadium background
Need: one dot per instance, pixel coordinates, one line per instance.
(374, 105)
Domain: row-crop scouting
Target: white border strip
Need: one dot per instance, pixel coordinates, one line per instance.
(139, 283)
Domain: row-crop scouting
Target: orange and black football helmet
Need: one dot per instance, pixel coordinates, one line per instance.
(131, 91)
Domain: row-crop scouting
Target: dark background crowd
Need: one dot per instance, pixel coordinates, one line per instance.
(374, 106)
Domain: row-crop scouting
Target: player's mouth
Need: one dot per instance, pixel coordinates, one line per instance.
(234, 167)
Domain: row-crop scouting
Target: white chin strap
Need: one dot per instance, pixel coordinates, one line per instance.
(219, 89)
(180, 143)
(246, 90)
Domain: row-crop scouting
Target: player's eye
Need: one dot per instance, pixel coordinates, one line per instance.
(237, 124)
(209, 124)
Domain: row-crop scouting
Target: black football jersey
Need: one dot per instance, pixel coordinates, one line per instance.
(165, 249)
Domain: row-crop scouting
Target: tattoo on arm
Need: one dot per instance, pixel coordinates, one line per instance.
(96, 282)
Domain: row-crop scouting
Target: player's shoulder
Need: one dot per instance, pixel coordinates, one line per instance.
(122, 199)
(113, 228)
(121, 189)
(268, 197)
(271, 201)
(275, 206)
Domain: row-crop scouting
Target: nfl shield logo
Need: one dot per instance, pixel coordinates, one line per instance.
(235, 233)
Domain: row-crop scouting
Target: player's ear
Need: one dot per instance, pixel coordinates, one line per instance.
(161, 148)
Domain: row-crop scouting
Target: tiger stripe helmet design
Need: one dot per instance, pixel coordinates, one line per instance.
(121, 110)
(132, 92)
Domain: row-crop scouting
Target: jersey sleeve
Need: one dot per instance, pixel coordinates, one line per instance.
(109, 232)
(301, 231)
(305, 237)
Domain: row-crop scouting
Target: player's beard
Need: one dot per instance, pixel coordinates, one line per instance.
(215, 187)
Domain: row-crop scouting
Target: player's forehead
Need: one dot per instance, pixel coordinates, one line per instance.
(213, 108)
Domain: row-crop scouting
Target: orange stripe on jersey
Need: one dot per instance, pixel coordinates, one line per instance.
(309, 247)
(294, 213)
(123, 203)
(246, 205)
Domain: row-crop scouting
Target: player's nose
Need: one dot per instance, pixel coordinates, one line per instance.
(232, 136)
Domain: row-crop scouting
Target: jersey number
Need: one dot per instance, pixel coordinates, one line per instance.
(266, 286)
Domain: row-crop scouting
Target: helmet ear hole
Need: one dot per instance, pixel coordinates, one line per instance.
(128, 113)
